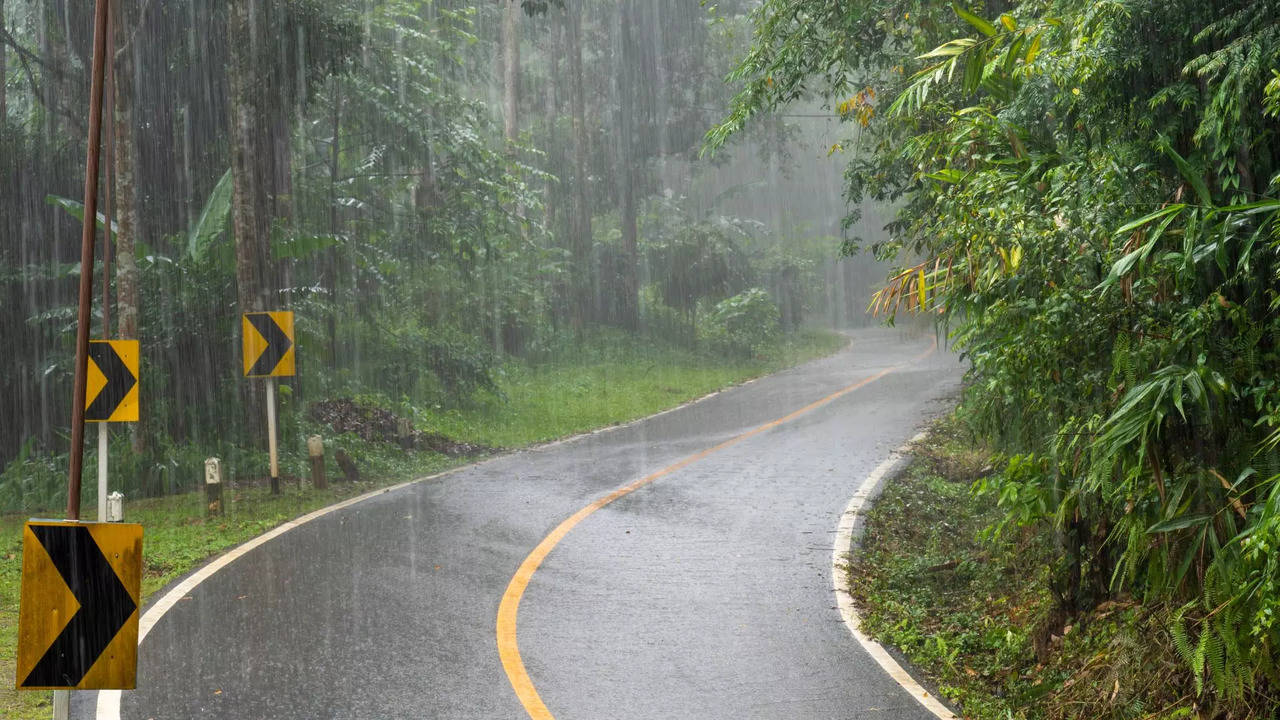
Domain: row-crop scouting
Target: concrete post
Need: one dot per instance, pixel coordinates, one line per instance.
(213, 485)
(404, 428)
(315, 448)
(115, 507)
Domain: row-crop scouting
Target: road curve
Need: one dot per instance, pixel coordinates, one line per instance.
(706, 593)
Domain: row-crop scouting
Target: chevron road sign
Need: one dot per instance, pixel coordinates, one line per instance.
(112, 391)
(268, 344)
(78, 614)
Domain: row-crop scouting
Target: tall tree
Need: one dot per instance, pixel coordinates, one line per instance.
(247, 222)
(551, 111)
(628, 291)
(580, 220)
(126, 191)
(511, 70)
(4, 70)
(127, 16)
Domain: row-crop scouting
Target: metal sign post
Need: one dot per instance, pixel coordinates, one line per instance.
(93, 154)
(102, 472)
(112, 392)
(271, 435)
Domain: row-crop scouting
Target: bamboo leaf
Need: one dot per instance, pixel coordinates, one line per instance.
(1189, 173)
(974, 64)
(1179, 523)
(1135, 224)
(983, 26)
(949, 49)
(947, 175)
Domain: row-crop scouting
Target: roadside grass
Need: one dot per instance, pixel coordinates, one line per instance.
(974, 610)
(604, 384)
(609, 383)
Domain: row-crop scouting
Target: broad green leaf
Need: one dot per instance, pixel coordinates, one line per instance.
(75, 209)
(1033, 49)
(1008, 22)
(213, 219)
(1013, 53)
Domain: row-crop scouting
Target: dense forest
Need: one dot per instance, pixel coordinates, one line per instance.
(435, 188)
(1085, 194)
(1092, 193)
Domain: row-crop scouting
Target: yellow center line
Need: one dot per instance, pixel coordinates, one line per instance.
(508, 646)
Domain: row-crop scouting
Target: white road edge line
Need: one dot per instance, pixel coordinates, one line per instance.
(840, 554)
(108, 701)
(108, 707)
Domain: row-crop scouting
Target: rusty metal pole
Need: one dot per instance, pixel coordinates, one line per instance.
(87, 234)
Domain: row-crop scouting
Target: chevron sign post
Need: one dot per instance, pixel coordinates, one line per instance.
(111, 396)
(269, 352)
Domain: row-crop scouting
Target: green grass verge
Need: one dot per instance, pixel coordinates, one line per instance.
(605, 384)
(973, 609)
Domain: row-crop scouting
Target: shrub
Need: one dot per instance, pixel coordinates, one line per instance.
(743, 325)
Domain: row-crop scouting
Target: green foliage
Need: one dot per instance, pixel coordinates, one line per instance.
(75, 209)
(1090, 187)
(695, 261)
(744, 325)
(963, 606)
(213, 219)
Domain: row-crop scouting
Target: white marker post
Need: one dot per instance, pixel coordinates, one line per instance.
(115, 507)
(271, 435)
(102, 472)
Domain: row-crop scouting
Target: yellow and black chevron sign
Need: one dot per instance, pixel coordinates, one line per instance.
(112, 391)
(268, 344)
(78, 614)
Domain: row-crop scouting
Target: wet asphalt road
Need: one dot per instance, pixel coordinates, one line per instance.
(706, 594)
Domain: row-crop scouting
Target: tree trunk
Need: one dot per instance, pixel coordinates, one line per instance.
(580, 225)
(511, 71)
(330, 274)
(551, 110)
(50, 84)
(628, 300)
(244, 130)
(4, 72)
(126, 163)
(248, 201)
